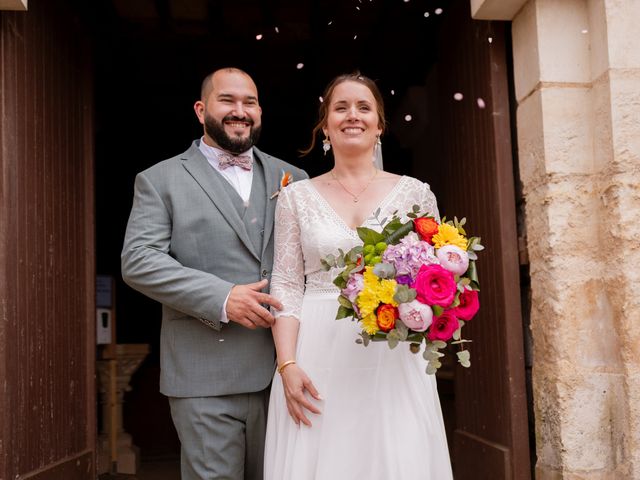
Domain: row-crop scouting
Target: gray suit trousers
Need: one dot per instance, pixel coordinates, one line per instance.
(217, 432)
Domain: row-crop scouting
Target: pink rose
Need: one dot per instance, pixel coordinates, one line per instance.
(415, 315)
(443, 326)
(469, 305)
(453, 259)
(435, 285)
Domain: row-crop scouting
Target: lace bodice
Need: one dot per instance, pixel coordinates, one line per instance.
(307, 229)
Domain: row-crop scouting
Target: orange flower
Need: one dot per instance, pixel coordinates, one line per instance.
(286, 179)
(426, 227)
(387, 315)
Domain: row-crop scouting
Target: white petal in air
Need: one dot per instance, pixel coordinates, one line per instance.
(426, 14)
(408, 118)
(300, 66)
(458, 96)
(481, 103)
(259, 36)
(438, 11)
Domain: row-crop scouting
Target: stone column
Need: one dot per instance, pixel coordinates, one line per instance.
(577, 80)
(129, 358)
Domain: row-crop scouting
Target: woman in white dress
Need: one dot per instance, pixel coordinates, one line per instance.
(338, 410)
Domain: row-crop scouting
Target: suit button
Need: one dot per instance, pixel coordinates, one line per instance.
(264, 273)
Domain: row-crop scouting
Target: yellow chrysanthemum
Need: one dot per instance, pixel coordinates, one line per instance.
(367, 301)
(370, 324)
(449, 235)
(386, 291)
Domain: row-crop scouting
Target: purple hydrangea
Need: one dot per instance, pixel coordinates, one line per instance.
(409, 255)
(355, 284)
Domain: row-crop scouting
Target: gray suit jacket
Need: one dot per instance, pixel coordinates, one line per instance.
(186, 246)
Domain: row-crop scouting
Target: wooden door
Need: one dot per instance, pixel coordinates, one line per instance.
(47, 312)
(470, 167)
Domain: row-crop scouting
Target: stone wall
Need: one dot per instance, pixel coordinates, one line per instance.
(577, 79)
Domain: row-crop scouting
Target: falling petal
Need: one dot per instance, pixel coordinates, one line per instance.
(277, 30)
(481, 103)
(321, 99)
(357, 8)
(259, 36)
(438, 11)
(221, 340)
(408, 118)
(490, 39)
(330, 22)
(355, 36)
(393, 92)
(585, 31)
(300, 66)
(426, 14)
(254, 220)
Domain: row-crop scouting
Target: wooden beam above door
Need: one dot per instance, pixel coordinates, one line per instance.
(496, 9)
(18, 5)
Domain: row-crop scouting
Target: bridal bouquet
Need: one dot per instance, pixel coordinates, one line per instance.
(414, 281)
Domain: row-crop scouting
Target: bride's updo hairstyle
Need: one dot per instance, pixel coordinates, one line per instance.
(323, 111)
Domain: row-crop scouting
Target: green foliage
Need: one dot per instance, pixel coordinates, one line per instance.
(344, 312)
(404, 294)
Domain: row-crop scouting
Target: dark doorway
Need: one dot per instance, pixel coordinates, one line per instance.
(149, 60)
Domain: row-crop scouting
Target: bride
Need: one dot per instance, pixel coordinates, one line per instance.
(338, 410)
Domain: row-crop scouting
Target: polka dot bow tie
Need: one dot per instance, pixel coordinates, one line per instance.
(226, 160)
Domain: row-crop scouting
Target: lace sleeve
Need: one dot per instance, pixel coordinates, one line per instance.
(287, 279)
(429, 202)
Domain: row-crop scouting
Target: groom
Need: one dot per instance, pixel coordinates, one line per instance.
(199, 240)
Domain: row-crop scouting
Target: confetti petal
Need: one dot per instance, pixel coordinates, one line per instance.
(490, 39)
(259, 36)
(458, 96)
(481, 103)
(426, 14)
(408, 118)
(585, 31)
(321, 99)
(393, 92)
(300, 66)
(438, 11)
(277, 30)
(355, 36)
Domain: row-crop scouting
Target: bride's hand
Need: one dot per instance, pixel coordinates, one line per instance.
(295, 382)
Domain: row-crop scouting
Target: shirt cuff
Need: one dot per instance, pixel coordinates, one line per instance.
(223, 313)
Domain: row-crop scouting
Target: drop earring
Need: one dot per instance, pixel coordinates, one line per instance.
(326, 145)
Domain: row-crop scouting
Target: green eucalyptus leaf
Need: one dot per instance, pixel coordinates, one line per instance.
(463, 355)
(340, 282)
(439, 344)
(344, 312)
(401, 330)
(437, 310)
(344, 301)
(456, 334)
(431, 369)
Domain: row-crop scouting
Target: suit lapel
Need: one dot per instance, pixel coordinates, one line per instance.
(211, 182)
(271, 186)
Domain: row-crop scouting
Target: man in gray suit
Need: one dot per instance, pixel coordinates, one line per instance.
(199, 240)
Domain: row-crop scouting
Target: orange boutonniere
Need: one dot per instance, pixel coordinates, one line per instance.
(285, 179)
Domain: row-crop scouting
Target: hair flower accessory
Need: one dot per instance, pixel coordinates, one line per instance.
(285, 179)
(414, 281)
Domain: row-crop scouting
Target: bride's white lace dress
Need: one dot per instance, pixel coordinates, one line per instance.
(381, 417)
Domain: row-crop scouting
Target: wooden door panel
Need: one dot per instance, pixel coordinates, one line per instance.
(472, 175)
(47, 339)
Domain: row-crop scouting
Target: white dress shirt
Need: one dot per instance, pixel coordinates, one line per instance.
(239, 178)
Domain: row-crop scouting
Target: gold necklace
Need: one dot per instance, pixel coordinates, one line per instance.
(355, 197)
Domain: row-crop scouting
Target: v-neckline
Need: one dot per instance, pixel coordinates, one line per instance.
(332, 211)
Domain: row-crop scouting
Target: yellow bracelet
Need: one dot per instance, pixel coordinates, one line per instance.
(285, 365)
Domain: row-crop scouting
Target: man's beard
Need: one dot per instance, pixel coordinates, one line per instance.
(236, 146)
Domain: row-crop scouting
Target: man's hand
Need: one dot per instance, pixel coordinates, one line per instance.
(244, 305)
